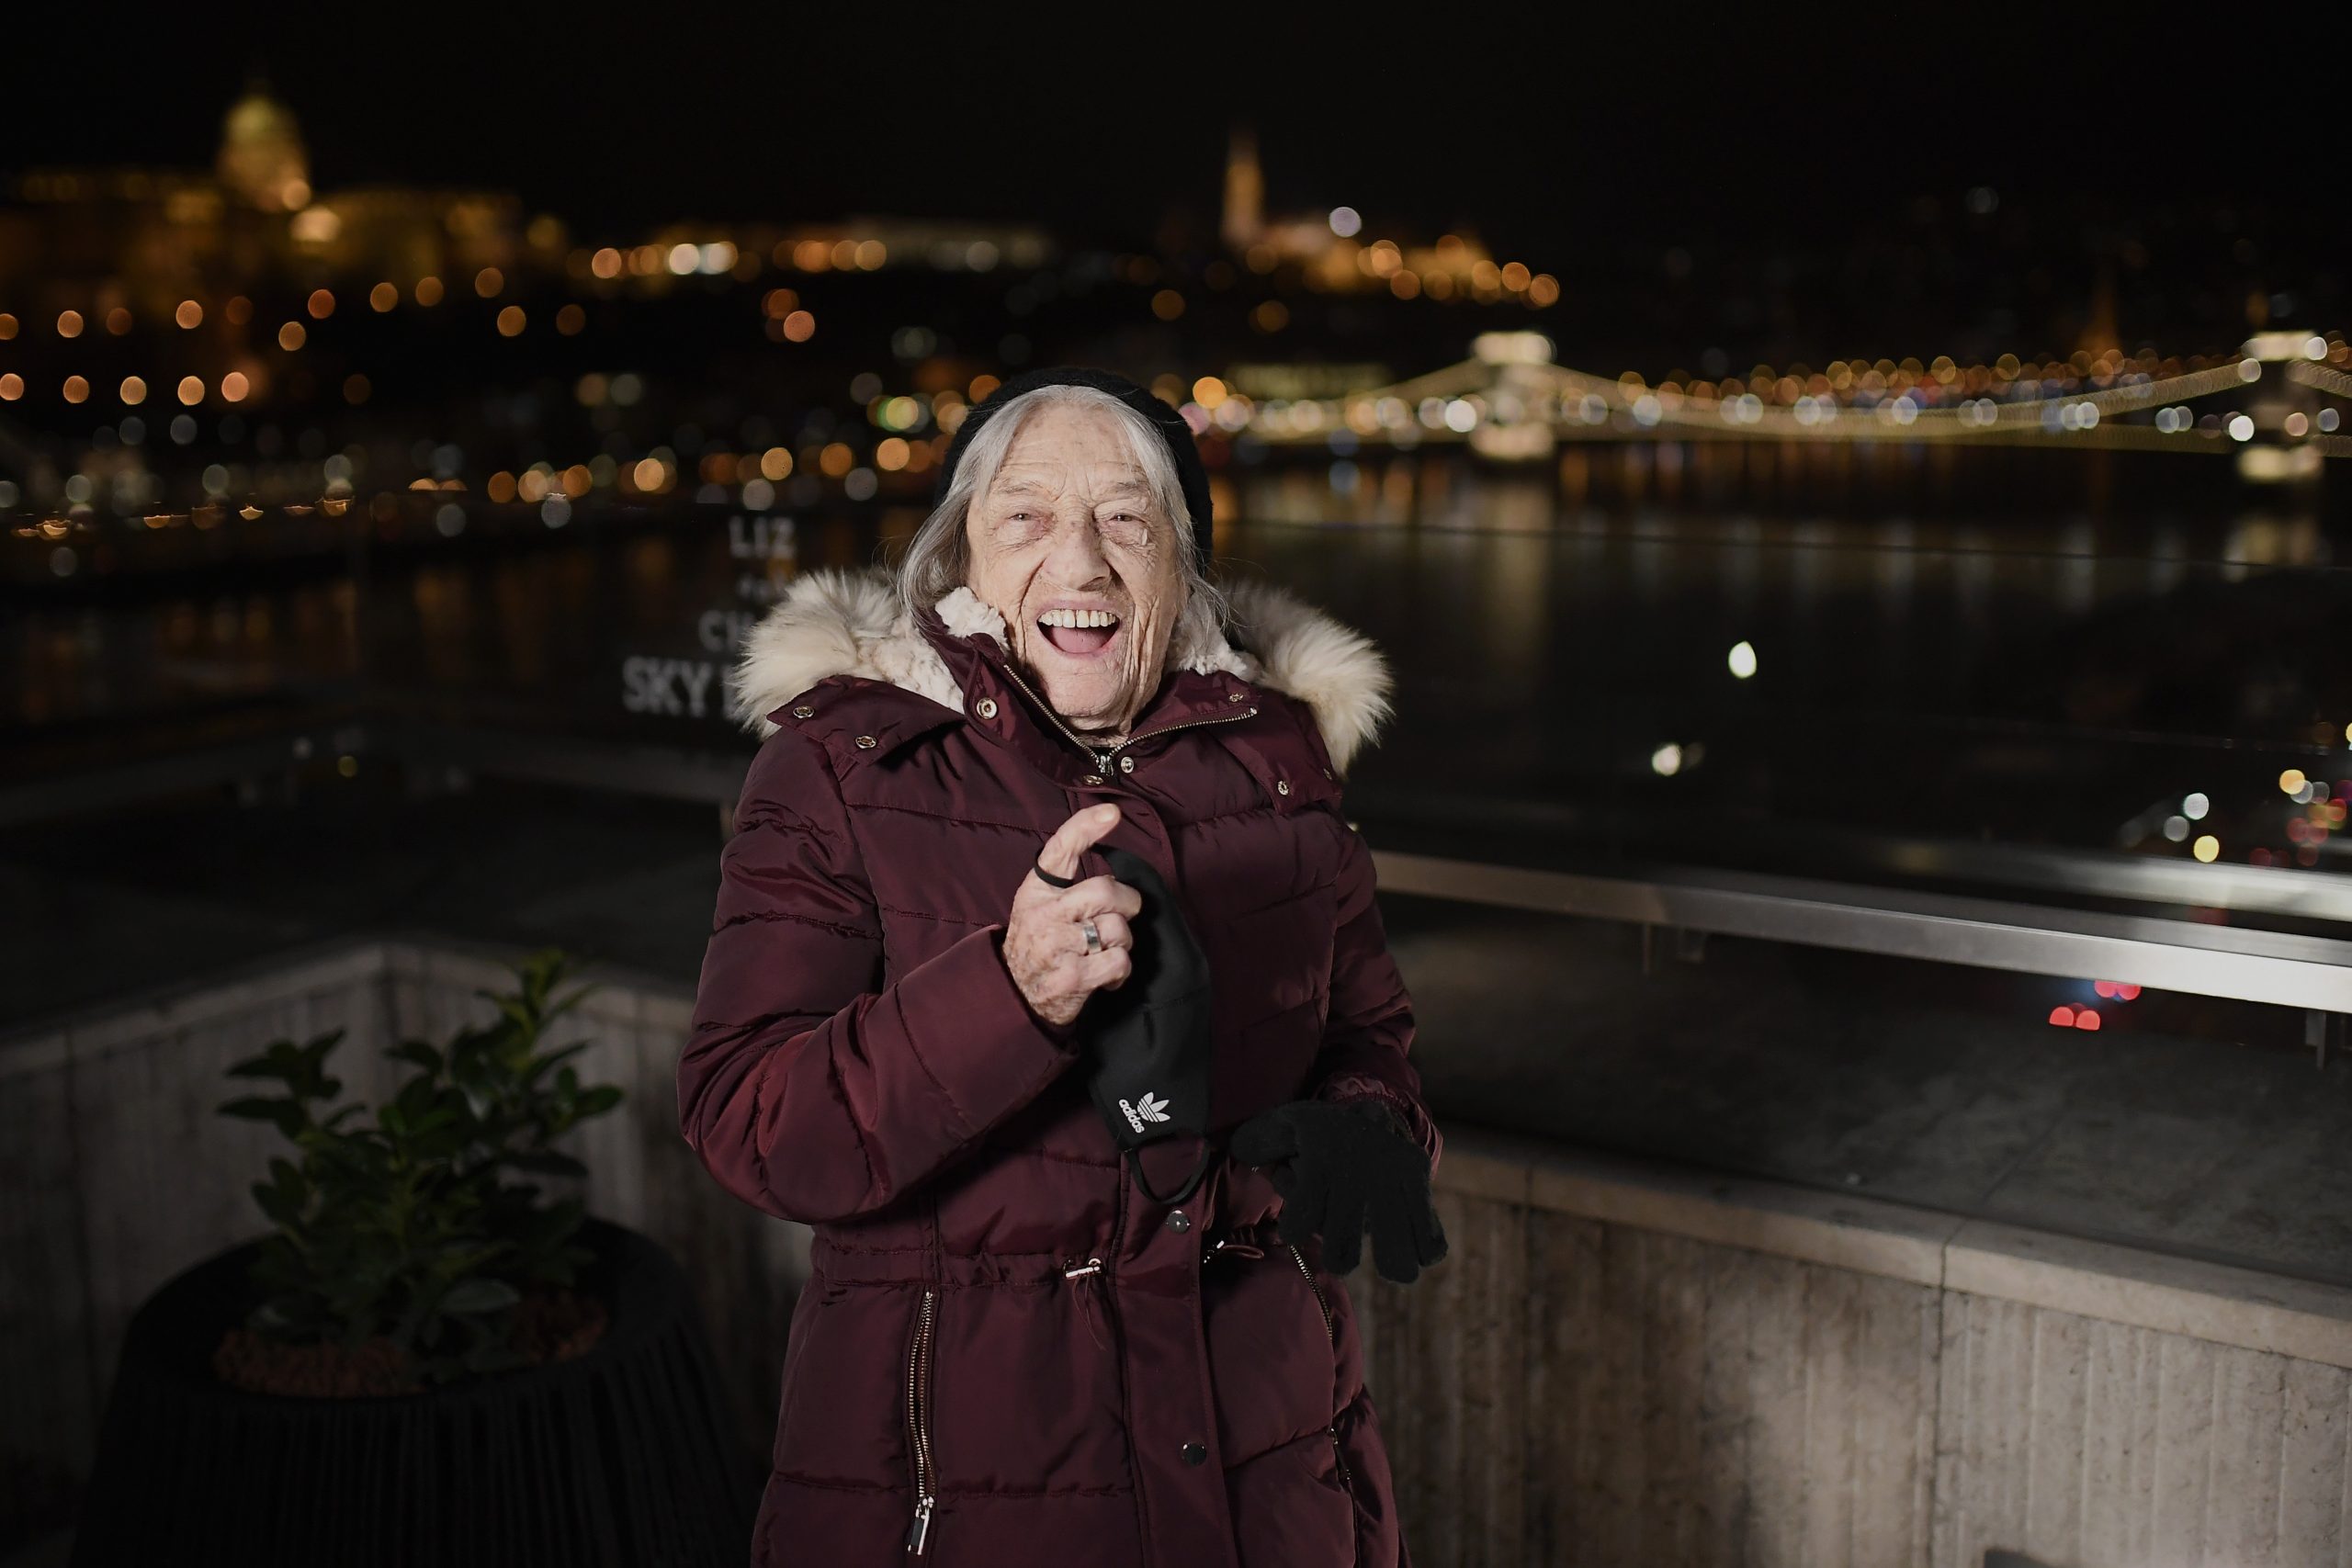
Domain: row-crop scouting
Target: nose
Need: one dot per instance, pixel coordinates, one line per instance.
(1076, 560)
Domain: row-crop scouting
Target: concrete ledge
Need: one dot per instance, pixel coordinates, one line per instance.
(1866, 1235)
(89, 1033)
(2134, 1287)
(2141, 1289)
(448, 961)
(142, 1013)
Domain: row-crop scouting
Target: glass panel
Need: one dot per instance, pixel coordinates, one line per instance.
(2056, 675)
(2184, 1122)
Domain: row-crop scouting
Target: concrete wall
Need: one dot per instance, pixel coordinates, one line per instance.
(1619, 1363)
(1710, 1371)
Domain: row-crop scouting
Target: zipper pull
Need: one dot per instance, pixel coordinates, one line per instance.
(1339, 1459)
(921, 1530)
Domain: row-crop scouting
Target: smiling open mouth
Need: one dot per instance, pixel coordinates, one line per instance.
(1078, 633)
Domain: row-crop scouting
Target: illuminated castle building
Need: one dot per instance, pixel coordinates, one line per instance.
(263, 162)
(1332, 253)
(142, 238)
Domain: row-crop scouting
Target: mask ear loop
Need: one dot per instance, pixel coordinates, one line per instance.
(1191, 1184)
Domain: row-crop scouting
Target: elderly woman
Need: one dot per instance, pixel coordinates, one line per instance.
(1014, 1347)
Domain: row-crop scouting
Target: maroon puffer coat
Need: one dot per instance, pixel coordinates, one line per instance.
(1006, 1353)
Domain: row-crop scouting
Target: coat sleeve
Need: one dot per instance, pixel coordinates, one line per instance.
(1368, 1030)
(809, 1087)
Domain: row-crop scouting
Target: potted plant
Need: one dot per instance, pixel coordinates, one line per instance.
(429, 1359)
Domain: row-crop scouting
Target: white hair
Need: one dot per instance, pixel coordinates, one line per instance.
(938, 559)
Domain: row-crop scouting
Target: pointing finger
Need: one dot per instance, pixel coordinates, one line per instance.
(1076, 836)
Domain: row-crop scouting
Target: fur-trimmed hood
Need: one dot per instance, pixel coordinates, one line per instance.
(833, 622)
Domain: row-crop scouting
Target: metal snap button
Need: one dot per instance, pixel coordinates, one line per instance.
(1127, 764)
(1092, 779)
(866, 743)
(804, 711)
(1282, 786)
(985, 707)
(1180, 1222)
(1195, 1454)
(1234, 696)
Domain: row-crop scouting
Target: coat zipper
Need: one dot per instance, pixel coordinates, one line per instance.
(919, 1422)
(1102, 756)
(1330, 1332)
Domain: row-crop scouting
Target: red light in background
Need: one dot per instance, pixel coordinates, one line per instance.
(2086, 1019)
(2063, 1016)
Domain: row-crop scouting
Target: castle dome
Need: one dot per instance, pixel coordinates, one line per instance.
(262, 161)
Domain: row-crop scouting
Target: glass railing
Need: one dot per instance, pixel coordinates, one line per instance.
(2095, 679)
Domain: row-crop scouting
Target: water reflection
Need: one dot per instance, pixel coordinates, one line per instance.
(1941, 659)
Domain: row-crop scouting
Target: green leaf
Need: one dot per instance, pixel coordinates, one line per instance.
(569, 1002)
(287, 1114)
(418, 1052)
(257, 1067)
(547, 1059)
(480, 1295)
(597, 1100)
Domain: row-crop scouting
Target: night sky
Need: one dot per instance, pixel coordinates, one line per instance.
(1781, 130)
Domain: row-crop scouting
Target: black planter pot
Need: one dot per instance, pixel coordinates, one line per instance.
(619, 1457)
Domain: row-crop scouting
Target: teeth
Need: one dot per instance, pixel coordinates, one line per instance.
(1078, 618)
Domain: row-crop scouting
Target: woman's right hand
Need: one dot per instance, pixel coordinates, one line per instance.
(1044, 939)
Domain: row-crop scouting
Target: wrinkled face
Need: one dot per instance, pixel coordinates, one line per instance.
(1069, 548)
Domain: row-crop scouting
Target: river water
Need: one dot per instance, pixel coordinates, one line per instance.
(1721, 653)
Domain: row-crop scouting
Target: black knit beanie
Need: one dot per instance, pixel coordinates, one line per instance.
(1190, 474)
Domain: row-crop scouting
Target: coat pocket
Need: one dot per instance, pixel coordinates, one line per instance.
(1291, 1510)
(1027, 1393)
(1271, 1358)
(835, 1424)
(1331, 1337)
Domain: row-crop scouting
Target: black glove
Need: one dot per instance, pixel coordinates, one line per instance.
(1346, 1166)
(1150, 1040)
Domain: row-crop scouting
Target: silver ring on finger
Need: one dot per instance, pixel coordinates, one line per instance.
(1093, 937)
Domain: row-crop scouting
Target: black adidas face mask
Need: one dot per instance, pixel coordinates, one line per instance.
(1148, 1041)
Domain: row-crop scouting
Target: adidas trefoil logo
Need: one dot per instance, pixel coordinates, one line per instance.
(1145, 1109)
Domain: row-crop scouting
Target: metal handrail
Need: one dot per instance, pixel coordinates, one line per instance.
(2287, 970)
(2281, 891)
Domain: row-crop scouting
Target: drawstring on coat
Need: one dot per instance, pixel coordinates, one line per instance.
(1088, 1278)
